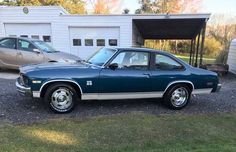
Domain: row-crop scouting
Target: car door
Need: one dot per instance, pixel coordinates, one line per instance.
(164, 71)
(132, 76)
(27, 55)
(8, 52)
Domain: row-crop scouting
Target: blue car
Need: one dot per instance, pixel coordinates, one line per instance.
(116, 73)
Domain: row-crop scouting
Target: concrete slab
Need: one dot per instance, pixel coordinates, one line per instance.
(9, 74)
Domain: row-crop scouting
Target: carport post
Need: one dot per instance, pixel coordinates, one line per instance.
(196, 59)
(194, 48)
(202, 45)
(191, 51)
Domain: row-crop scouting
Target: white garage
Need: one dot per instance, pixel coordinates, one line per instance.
(84, 41)
(82, 35)
(232, 57)
(30, 30)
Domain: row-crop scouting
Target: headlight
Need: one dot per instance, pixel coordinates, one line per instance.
(23, 80)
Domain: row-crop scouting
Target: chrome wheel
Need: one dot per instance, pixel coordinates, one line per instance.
(61, 99)
(179, 97)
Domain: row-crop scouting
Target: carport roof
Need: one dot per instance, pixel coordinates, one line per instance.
(171, 26)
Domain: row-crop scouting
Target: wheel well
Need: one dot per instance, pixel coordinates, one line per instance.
(75, 86)
(185, 83)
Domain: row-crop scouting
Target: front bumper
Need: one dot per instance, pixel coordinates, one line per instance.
(26, 91)
(218, 87)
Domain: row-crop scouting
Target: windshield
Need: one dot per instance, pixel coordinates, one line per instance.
(101, 56)
(44, 46)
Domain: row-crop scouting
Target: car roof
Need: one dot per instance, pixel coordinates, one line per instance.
(141, 49)
(162, 52)
(23, 38)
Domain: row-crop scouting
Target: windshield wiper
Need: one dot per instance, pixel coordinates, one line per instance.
(50, 51)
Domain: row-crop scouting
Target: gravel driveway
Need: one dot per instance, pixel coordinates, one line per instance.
(19, 110)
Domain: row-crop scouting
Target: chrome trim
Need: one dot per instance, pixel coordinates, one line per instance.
(61, 99)
(179, 97)
(60, 80)
(202, 91)
(179, 81)
(218, 87)
(26, 91)
(128, 95)
(104, 65)
(36, 94)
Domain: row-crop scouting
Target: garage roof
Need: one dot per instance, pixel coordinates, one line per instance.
(172, 26)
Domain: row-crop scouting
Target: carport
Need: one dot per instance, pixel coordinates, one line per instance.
(190, 27)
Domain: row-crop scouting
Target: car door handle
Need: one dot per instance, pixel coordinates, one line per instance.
(146, 74)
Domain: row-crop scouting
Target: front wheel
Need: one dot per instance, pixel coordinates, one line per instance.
(60, 98)
(177, 97)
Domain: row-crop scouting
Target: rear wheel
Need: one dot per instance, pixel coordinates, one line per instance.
(177, 97)
(60, 97)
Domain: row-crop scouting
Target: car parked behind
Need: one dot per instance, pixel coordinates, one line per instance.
(15, 52)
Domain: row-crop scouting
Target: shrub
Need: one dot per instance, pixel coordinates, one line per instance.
(222, 57)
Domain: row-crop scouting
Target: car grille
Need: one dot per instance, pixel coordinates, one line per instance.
(23, 80)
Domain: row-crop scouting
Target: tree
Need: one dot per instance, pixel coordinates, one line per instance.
(168, 6)
(106, 6)
(72, 6)
(212, 47)
(222, 30)
(146, 7)
(125, 11)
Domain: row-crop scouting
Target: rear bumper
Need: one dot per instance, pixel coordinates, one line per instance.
(26, 91)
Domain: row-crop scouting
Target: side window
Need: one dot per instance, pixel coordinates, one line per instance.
(25, 45)
(132, 60)
(163, 62)
(8, 43)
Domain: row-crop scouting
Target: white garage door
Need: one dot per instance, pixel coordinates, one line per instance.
(85, 41)
(30, 30)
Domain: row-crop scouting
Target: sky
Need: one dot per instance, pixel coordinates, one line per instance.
(209, 6)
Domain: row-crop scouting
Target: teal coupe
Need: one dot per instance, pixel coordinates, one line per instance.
(116, 73)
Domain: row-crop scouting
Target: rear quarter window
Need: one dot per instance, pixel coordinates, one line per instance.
(163, 62)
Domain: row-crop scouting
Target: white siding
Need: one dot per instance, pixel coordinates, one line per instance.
(137, 39)
(124, 23)
(37, 15)
(60, 23)
(29, 29)
(94, 33)
(232, 57)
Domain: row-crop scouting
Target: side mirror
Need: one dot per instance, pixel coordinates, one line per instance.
(36, 50)
(113, 66)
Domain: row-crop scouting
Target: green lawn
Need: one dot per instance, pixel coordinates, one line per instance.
(135, 132)
(206, 60)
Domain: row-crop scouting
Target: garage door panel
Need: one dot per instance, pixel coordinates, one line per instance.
(34, 30)
(94, 33)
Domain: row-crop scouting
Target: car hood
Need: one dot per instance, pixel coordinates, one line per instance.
(62, 57)
(55, 65)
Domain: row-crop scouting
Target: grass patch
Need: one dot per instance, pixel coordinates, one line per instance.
(206, 60)
(135, 132)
